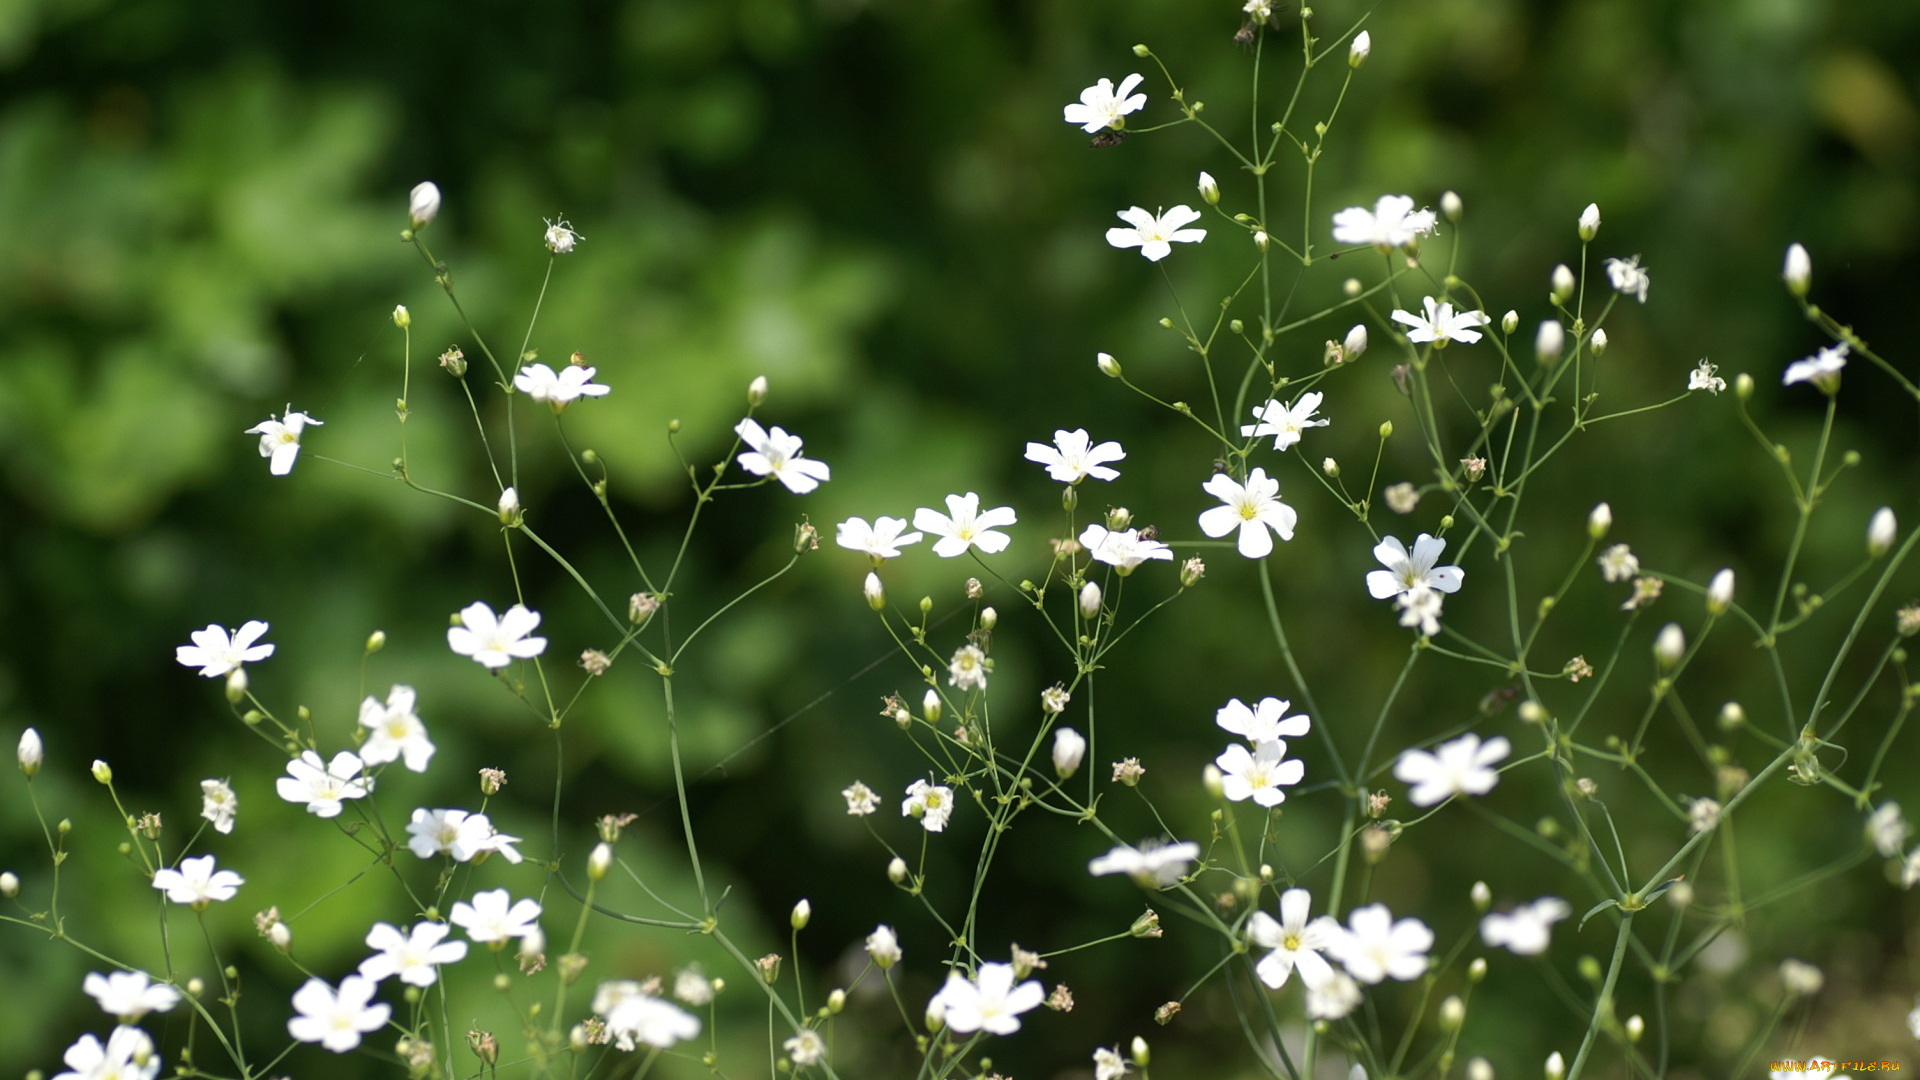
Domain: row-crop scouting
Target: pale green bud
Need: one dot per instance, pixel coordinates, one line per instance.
(1798, 271)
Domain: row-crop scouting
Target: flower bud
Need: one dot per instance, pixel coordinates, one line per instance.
(757, 392)
(1356, 342)
(102, 771)
(1637, 1027)
(1386, 429)
(876, 592)
(1453, 1013)
(1590, 221)
(423, 204)
(1140, 1054)
(1357, 55)
(1549, 342)
(1743, 386)
(600, 861)
(1142, 50)
(1510, 321)
(802, 914)
(1798, 271)
(1191, 572)
(1880, 532)
(1260, 239)
(1477, 970)
(1451, 206)
(1669, 645)
(401, 318)
(31, 752)
(837, 1001)
(1557, 1065)
(509, 507)
(989, 618)
(1479, 1069)
(1732, 716)
(930, 706)
(9, 885)
(1209, 189)
(1598, 343)
(1562, 283)
(1481, 895)
(1107, 364)
(1213, 781)
(1069, 747)
(1720, 593)
(281, 936)
(1599, 521)
(237, 685)
(1330, 467)
(1090, 601)
(897, 870)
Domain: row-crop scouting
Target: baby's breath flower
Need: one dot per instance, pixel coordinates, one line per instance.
(1401, 498)
(930, 804)
(1069, 747)
(1881, 531)
(1053, 700)
(1155, 234)
(1822, 369)
(968, 668)
(197, 883)
(1461, 767)
(1549, 341)
(1152, 865)
(1285, 423)
(1628, 277)
(1906, 621)
(1703, 815)
(884, 947)
(218, 804)
(560, 237)
(965, 526)
(861, 799)
(1797, 272)
(1061, 999)
(1102, 105)
(1590, 221)
(1577, 669)
(1358, 52)
(1375, 947)
(1703, 378)
(1526, 930)
(1392, 223)
(280, 439)
(495, 642)
(1128, 772)
(216, 654)
(1887, 830)
(423, 204)
(692, 986)
(806, 1048)
(1442, 324)
(1253, 509)
(1618, 563)
(1800, 979)
(777, 454)
(1645, 591)
(31, 752)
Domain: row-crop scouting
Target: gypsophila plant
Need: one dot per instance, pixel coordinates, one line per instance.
(1316, 957)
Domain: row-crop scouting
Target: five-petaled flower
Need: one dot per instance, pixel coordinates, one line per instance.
(1392, 223)
(396, 731)
(280, 439)
(1822, 369)
(457, 834)
(216, 654)
(1527, 929)
(1374, 946)
(1461, 767)
(968, 669)
(495, 642)
(861, 799)
(965, 526)
(1405, 572)
(635, 1016)
(1286, 423)
(1259, 773)
(1123, 550)
(322, 787)
(1102, 105)
(127, 1055)
(1265, 722)
(557, 390)
(1155, 235)
(414, 956)
(1629, 278)
(1442, 324)
(491, 920)
(881, 540)
(337, 1020)
(988, 1002)
(777, 454)
(196, 882)
(1296, 942)
(1150, 865)
(1253, 508)
(1073, 457)
(932, 805)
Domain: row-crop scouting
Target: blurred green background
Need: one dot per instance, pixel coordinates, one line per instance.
(875, 204)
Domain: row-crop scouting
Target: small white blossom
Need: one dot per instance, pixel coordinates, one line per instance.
(218, 804)
(1253, 509)
(1526, 930)
(491, 919)
(280, 439)
(1332, 999)
(1822, 369)
(931, 804)
(1405, 572)
(806, 1048)
(1392, 223)
(884, 947)
(457, 834)
(965, 526)
(1258, 774)
(1295, 942)
(1107, 1062)
(777, 454)
(560, 237)
(127, 1055)
(634, 1016)
(1590, 221)
(988, 1002)
(968, 668)
(557, 390)
(1463, 766)
(323, 785)
(414, 956)
(1887, 829)
(495, 642)
(1628, 277)
(1287, 423)
(881, 540)
(197, 883)
(1103, 106)
(1442, 324)
(861, 799)
(1703, 378)
(1797, 272)
(1703, 815)
(1155, 235)
(1376, 947)
(216, 654)
(1420, 609)
(395, 731)
(1618, 563)
(129, 995)
(1151, 865)
(1123, 550)
(1073, 457)
(693, 987)
(1265, 722)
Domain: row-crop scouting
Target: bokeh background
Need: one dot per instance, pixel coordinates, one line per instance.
(875, 204)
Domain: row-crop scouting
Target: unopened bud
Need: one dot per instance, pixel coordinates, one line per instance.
(1107, 364)
(896, 870)
(1141, 1056)
(600, 861)
(837, 1001)
(989, 618)
(1069, 748)
(237, 686)
(1636, 1027)
(1798, 271)
(1590, 226)
(1119, 518)
(1451, 206)
(1260, 239)
(1356, 342)
(1510, 321)
(401, 317)
(423, 204)
(1732, 716)
(930, 706)
(32, 753)
(376, 641)
(757, 392)
(9, 885)
(1562, 283)
(1209, 190)
(1090, 601)
(1212, 779)
(102, 771)
(1720, 593)
(876, 592)
(1599, 521)
(1479, 1069)
(1481, 896)
(1453, 1013)
(1330, 467)
(1548, 342)
(1386, 429)
(1669, 645)
(1598, 344)
(1191, 572)
(1880, 532)
(1743, 386)
(281, 936)
(1357, 55)
(802, 914)
(509, 507)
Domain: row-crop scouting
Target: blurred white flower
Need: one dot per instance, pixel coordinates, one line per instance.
(557, 390)
(1103, 106)
(127, 1055)
(1822, 369)
(881, 540)
(560, 237)
(1527, 929)
(1703, 378)
(1628, 277)
(490, 920)
(218, 804)
(1618, 563)
(1107, 1063)
(1392, 223)
(806, 1048)
(1461, 767)
(861, 799)
(968, 669)
(337, 1020)
(883, 946)
(1151, 865)
(395, 731)
(1069, 747)
(1376, 947)
(129, 995)
(1124, 550)
(414, 955)
(1887, 829)
(1154, 234)
(458, 834)
(634, 1016)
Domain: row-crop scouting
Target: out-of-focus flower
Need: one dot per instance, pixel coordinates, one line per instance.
(1392, 223)
(395, 731)
(560, 237)
(989, 1002)
(218, 804)
(1463, 766)
(1629, 278)
(880, 541)
(323, 785)
(129, 995)
(1822, 369)
(557, 390)
(492, 920)
(1151, 865)
(861, 799)
(1123, 550)
(1527, 929)
(458, 834)
(414, 955)
(1376, 947)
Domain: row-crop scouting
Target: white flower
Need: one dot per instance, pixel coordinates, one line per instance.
(496, 642)
(988, 1002)
(1296, 943)
(127, 1055)
(881, 540)
(634, 1016)
(1822, 369)
(1526, 929)
(129, 995)
(777, 454)
(1461, 767)
(1618, 563)
(1628, 278)
(280, 439)
(1703, 815)
(1102, 106)
(322, 786)
(1258, 774)
(423, 204)
(1888, 830)
(216, 654)
(459, 834)
(932, 805)
(1266, 722)
(1332, 999)
(196, 882)
(490, 920)
(1420, 609)
(693, 987)
(1122, 550)
(396, 731)
(883, 946)
(1253, 509)
(1107, 1063)
(861, 799)
(1801, 979)
(1156, 235)
(415, 955)
(1375, 947)
(1150, 865)
(336, 1021)
(1287, 423)
(560, 237)
(1703, 378)
(1073, 457)
(965, 526)
(557, 390)
(1069, 747)
(806, 1048)
(1406, 572)
(968, 669)
(1442, 324)
(1392, 223)
(217, 804)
